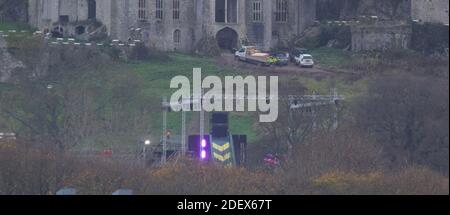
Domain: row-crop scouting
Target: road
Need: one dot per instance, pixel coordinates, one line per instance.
(227, 59)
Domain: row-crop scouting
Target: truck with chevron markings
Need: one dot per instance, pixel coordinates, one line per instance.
(219, 146)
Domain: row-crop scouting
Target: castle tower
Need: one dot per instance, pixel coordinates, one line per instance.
(435, 11)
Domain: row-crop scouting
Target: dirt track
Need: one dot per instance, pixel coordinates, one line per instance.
(227, 59)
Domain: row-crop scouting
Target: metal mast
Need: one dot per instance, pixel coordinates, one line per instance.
(183, 127)
(202, 116)
(164, 152)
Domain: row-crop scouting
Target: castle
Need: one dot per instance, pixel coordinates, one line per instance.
(177, 24)
(185, 24)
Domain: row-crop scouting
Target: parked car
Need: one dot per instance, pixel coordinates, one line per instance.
(282, 59)
(304, 60)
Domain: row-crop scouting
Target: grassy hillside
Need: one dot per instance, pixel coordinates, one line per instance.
(5, 26)
(332, 58)
(126, 97)
(156, 77)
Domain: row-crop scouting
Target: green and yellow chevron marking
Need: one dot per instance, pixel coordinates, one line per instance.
(224, 158)
(221, 148)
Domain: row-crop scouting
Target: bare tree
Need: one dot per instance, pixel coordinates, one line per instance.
(294, 126)
(408, 115)
(69, 96)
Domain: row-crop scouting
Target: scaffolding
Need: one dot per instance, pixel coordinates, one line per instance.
(295, 103)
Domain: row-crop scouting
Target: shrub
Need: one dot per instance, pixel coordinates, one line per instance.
(30, 171)
(348, 182)
(193, 178)
(408, 181)
(143, 53)
(326, 33)
(427, 43)
(416, 180)
(208, 46)
(341, 34)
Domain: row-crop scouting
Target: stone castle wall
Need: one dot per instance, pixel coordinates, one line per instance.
(434, 11)
(397, 33)
(381, 36)
(120, 17)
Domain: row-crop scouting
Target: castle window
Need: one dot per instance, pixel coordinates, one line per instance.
(142, 10)
(177, 37)
(226, 11)
(257, 11)
(64, 19)
(92, 9)
(159, 9)
(176, 9)
(281, 11)
(220, 10)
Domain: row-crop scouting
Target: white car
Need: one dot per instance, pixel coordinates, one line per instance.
(304, 60)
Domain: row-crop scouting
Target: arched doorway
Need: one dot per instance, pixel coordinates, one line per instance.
(227, 39)
(92, 9)
(57, 31)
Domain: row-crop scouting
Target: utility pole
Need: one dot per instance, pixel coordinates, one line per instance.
(183, 127)
(313, 112)
(202, 117)
(164, 152)
(146, 144)
(145, 155)
(335, 100)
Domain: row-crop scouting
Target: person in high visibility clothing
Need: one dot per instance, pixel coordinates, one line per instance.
(272, 60)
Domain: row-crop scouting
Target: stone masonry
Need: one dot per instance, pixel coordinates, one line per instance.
(179, 24)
